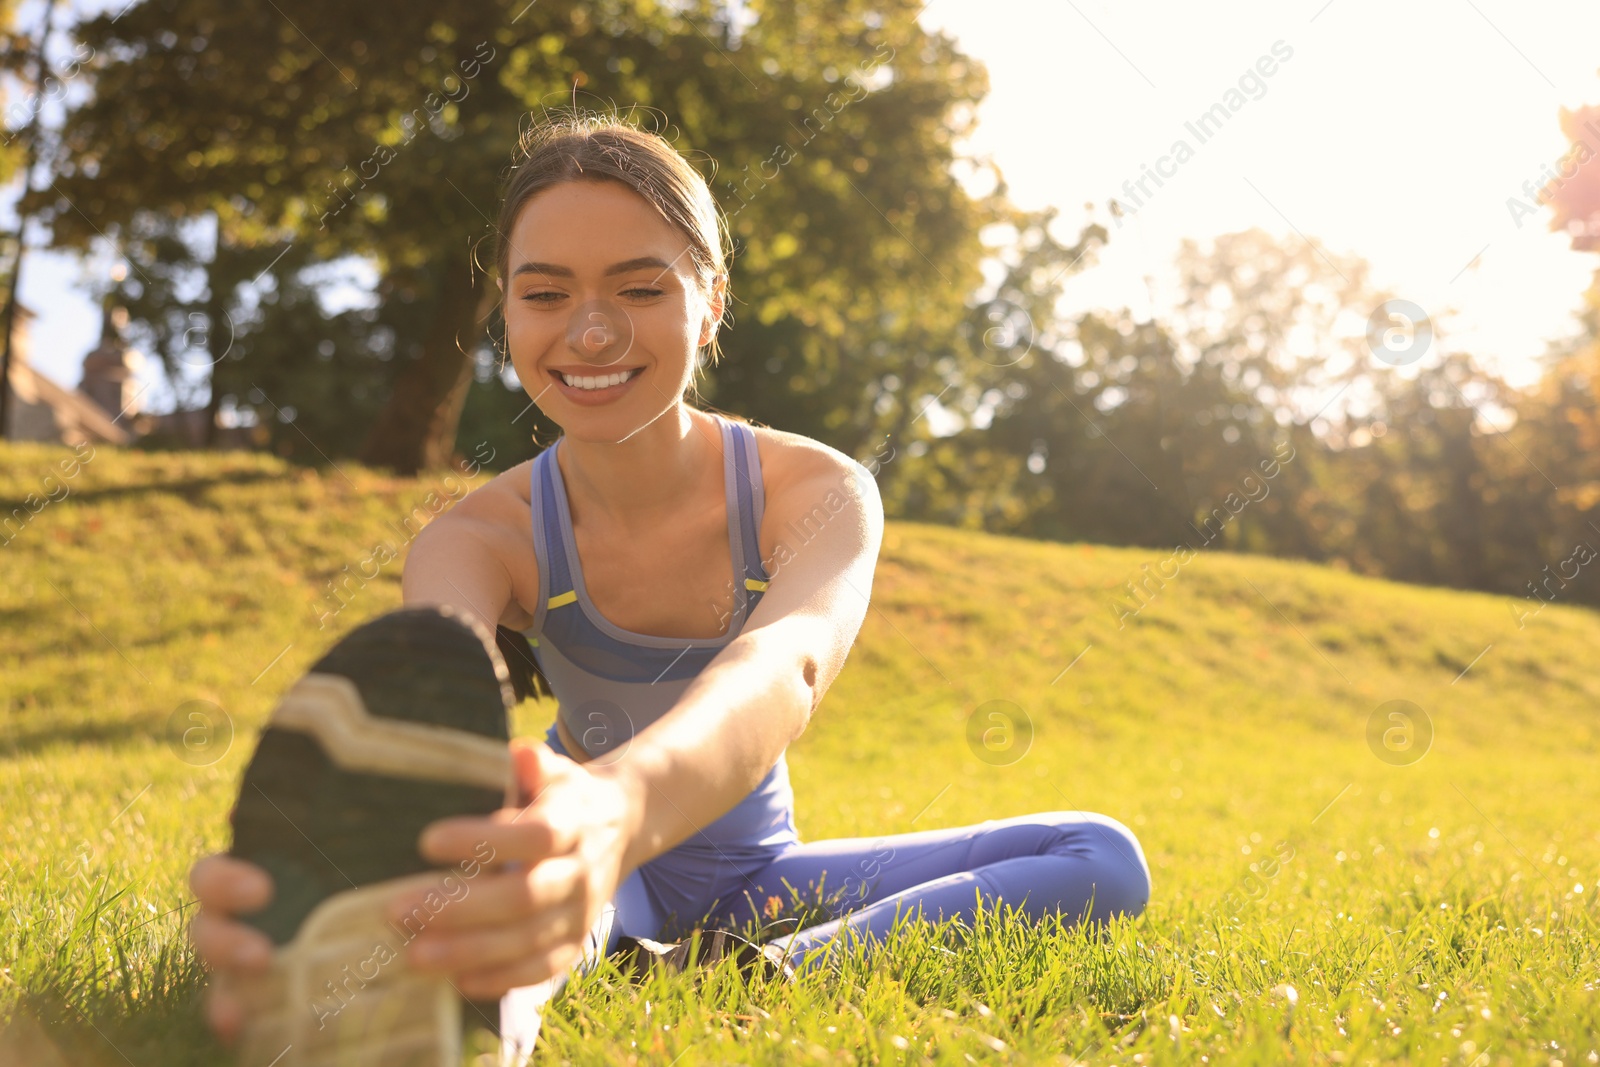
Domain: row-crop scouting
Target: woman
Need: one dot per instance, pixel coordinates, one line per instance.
(686, 643)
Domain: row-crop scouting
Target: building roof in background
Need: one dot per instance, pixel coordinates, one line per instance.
(44, 410)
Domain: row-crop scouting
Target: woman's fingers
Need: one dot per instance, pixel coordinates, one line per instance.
(227, 945)
(461, 951)
(494, 982)
(508, 835)
(491, 899)
(548, 783)
(225, 1014)
(225, 884)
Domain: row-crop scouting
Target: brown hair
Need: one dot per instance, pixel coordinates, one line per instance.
(605, 148)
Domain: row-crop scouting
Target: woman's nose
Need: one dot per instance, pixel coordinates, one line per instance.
(599, 332)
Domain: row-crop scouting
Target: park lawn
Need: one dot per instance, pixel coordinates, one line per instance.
(1312, 901)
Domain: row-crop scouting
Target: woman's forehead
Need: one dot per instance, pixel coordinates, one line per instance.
(591, 231)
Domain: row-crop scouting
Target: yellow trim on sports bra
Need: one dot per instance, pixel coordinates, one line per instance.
(759, 586)
(565, 598)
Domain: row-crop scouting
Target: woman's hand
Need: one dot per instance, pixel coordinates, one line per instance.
(225, 887)
(520, 925)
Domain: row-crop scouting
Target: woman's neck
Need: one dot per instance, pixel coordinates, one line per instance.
(634, 483)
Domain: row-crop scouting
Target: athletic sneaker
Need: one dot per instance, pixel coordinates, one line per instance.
(640, 956)
(402, 723)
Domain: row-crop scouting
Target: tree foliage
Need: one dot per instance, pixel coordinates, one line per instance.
(385, 133)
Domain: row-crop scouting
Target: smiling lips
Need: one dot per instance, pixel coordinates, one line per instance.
(586, 387)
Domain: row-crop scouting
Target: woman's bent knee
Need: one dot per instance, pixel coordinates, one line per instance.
(1123, 885)
(1132, 871)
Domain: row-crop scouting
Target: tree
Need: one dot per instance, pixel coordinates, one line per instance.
(1142, 432)
(386, 134)
(21, 154)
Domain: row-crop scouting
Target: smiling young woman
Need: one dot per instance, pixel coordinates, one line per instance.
(660, 797)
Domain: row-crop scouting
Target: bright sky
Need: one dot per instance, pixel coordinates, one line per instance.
(1393, 131)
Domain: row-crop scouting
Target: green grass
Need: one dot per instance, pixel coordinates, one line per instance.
(1425, 913)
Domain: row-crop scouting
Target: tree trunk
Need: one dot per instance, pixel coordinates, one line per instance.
(416, 430)
(30, 135)
(220, 288)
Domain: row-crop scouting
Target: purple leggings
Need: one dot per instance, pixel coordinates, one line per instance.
(1088, 867)
(1085, 866)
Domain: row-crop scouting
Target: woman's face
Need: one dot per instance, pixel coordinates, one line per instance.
(592, 262)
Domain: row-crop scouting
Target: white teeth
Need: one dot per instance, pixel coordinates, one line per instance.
(595, 383)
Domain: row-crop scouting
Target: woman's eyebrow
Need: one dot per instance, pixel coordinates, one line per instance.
(555, 270)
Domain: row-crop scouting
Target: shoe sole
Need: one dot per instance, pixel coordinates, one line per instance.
(400, 724)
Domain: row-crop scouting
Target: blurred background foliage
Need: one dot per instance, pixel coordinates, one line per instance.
(247, 158)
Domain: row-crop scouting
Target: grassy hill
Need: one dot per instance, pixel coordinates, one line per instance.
(1427, 910)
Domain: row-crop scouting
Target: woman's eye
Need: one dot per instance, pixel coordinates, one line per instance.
(636, 293)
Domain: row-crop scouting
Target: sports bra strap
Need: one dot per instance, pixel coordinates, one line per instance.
(750, 500)
(548, 557)
(744, 495)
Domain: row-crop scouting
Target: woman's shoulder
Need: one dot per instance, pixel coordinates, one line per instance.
(494, 517)
(810, 486)
(504, 497)
(784, 454)
(792, 462)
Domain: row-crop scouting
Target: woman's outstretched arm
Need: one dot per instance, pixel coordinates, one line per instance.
(476, 556)
(707, 753)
